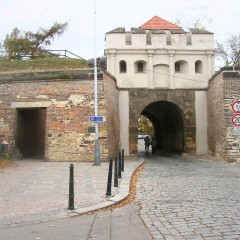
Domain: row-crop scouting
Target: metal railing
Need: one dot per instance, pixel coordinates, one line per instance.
(34, 54)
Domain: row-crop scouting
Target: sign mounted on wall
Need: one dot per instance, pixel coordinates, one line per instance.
(236, 131)
(236, 106)
(96, 119)
(236, 119)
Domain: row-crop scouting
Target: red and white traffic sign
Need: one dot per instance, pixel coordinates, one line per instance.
(236, 106)
(236, 119)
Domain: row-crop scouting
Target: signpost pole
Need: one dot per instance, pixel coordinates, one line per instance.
(97, 161)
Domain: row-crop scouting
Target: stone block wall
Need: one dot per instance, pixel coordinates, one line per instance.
(183, 99)
(112, 114)
(216, 118)
(224, 89)
(69, 101)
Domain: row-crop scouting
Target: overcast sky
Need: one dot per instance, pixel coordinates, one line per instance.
(222, 17)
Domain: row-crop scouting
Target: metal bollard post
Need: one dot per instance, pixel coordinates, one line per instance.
(71, 188)
(116, 172)
(122, 160)
(119, 166)
(109, 183)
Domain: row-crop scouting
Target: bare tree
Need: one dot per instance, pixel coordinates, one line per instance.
(229, 50)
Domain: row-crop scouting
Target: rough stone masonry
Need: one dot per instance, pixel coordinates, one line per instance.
(63, 102)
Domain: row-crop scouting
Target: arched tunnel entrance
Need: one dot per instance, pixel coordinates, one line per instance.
(168, 126)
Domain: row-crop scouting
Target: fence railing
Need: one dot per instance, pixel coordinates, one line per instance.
(33, 54)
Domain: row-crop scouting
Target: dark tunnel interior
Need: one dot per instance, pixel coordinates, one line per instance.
(167, 123)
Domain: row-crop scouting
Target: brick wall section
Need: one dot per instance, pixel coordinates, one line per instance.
(70, 103)
(224, 89)
(184, 99)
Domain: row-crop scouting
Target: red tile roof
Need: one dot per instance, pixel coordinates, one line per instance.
(159, 23)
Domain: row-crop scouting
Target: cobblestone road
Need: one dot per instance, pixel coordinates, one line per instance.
(190, 199)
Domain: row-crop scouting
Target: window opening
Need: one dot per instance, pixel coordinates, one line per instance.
(149, 38)
(128, 38)
(168, 37)
(198, 67)
(189, 38)
(177, 67)
(181, 66)
(140, 67)
(123, 67)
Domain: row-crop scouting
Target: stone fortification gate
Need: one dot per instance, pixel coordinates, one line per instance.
(172, 114)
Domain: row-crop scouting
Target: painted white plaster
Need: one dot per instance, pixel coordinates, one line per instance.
(201, 122)
(160, 53)
(124, 120)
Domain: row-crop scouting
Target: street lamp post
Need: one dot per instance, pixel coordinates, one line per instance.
(97, 161)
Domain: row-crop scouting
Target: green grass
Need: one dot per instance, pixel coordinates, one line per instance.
(42, 64)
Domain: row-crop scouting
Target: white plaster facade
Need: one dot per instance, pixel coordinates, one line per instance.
(170, 59)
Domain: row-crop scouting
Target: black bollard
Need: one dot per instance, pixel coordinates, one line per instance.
(116, 172)
(71, 188)
(109, 183)
(119, 166)
(122, 160)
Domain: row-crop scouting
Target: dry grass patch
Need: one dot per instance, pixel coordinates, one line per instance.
(5, 162)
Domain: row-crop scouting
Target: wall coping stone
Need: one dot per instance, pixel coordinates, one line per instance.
(63, 75)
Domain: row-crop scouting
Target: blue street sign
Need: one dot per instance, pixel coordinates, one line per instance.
(96, 119)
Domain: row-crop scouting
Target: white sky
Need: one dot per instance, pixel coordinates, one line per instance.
(222, 17)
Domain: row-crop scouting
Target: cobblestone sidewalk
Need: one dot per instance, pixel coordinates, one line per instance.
(35, 191)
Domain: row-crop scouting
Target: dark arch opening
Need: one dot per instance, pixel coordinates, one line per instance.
(123, 66)
(168, 126)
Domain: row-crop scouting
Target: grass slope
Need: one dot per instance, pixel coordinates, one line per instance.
(41, 64)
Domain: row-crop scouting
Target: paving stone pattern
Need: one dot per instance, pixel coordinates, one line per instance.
(37, 191)
(190, 199)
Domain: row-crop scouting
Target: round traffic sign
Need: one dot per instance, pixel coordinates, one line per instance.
(236, 106)
(236, 119)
